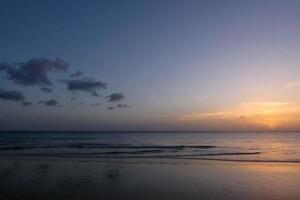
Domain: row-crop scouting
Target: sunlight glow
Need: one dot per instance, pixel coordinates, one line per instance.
(270, 115)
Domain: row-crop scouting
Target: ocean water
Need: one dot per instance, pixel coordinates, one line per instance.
(226, 146)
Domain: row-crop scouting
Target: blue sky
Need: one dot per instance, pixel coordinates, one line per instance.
(178, 63)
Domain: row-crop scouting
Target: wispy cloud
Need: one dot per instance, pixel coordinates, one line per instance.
(51, 102)
(26, 103)
(87, 85)
(46, 89)
(268, 103)
(76, 74)
(110, 108)
(97, 104)
(11, 95)
(204, 115)
(269, 114)
(115, 97)
(123, 106)
(194, 99)
(291, 85)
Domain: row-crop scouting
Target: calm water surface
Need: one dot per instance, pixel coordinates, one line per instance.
(260, 146)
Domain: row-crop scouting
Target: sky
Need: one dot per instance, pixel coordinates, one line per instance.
(150, 65)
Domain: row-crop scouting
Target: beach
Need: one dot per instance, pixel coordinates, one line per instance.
(147, 179)
(149, 100)
(149, 165)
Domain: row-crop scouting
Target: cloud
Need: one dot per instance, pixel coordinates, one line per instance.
(76, 74)
(110, 108)
(97, 104)
(266, 115)
(86, 85)
(242, 117)
(51, 102)
(267, 103)
(33, 72)
(115, 97)
(11, 95)
(292, 85)
(204, 115)
(123, 106)
(242, 111)
(118, 106)
(26, 103)
(46, 89)
(96, 94)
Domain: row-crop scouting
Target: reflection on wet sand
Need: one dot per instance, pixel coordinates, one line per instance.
(150, 179)
(113, 174)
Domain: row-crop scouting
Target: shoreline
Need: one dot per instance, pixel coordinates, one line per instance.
(138, 158)
(147, 179)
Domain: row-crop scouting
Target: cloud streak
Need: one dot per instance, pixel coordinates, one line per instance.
(123, 106)
(46, 89)
(86, 85)
(51, 102)
(268, 103)
(110, 108)
(11, 95)
(97, 104)
(292, 85)
(204, 115)
(76, 74)
(26, 103)
(115, 97)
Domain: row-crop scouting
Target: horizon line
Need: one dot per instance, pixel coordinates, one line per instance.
(149, 131)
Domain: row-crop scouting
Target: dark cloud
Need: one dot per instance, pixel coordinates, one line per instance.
(115, 97)
(76, 74)
(123, 106)
(46, 89)
(33, 72)
(26, 103)
(51, 102)
(11, 95)
(110, 108)
(4, 67)
(86, 85)
(96, 94)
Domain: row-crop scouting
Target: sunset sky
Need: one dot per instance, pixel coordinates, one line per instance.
(150, 65)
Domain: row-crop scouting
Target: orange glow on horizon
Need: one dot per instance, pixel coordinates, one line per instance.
(271, 115)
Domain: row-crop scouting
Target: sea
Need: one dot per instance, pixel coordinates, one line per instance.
(225, 146)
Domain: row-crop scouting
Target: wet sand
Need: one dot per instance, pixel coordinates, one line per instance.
(147, 179)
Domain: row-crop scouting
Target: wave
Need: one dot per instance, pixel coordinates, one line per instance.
(108, 154)
(245, 160)
(107, 146)
(227, 154)
(151, 154)
(88, 145)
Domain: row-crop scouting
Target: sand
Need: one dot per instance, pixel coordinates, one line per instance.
(146, 179)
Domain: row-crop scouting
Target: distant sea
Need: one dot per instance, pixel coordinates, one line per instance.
(225, 146)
